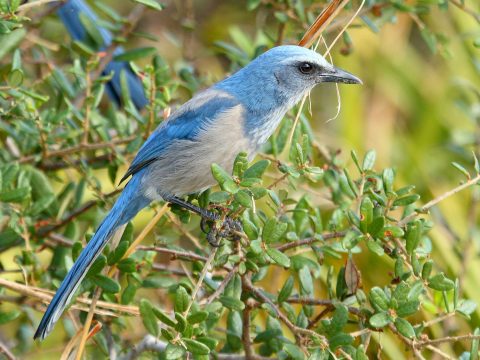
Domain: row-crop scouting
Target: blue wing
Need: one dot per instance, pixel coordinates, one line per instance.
(69, 13)
(184, 124)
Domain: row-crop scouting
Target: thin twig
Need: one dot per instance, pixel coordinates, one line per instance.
(296, 331)
(79, 148)
(431, 203)
(246, 339)
(46, 296)
(310, 240)
(88, 321)
(222, 285)
(6, 351)
(36, 3)
(200, 280)
(447, 339)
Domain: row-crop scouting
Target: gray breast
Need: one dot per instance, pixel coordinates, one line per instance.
(185, 165)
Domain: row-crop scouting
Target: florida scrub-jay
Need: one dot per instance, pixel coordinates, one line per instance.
(70, 13)
(236, 114)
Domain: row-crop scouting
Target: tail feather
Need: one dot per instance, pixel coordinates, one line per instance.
(69, 13)
(126, 207)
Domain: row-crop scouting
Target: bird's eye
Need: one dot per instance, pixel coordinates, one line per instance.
(306, 68)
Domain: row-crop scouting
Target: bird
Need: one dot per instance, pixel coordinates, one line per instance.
(236, 114)
(70, 14)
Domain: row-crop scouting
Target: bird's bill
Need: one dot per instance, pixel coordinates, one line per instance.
(340, 76)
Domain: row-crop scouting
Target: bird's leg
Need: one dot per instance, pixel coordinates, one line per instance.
(227, 229)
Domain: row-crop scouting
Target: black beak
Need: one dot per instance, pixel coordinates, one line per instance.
(339, 76)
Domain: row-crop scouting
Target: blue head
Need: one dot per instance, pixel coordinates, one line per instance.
(281, 77)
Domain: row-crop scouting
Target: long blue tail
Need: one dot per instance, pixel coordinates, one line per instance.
(126, 207)
(69, 13)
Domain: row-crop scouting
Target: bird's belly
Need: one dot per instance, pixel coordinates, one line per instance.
(186, 166)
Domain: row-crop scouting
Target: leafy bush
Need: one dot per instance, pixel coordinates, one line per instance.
(336, 257)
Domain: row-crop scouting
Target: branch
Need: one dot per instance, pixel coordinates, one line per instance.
(446, 339)
(310, 240)
(107, 308)
(32, 4)
(294, 329)
(5, 351)
(435, 201)
(321, 302)
(247, 341)
(77, 148)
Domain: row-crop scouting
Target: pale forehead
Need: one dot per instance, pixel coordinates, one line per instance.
(293, 54)
(319, 60)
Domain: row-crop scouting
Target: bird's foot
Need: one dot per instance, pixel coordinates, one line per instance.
(227, 229)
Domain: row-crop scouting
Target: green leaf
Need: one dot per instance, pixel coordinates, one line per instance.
(366, 212)
(219, 197)
(355, 160)
(232, 303)
(164, 318)
(369, 160)
(107, 284)
(375, 247)
(6, 317)
(197, 317)
(466, 307)
(408, 308)
(181, 324)
(253, 4)
(404, 328)
(182, 299)
(306, 281)
(430, 39)
(380, 320)
(256, 170)
(249, 228)
(286, 290)
(378, 299)
(339, 320)
(91, 29)
(118, 253)
(148, 317)
(15, 195)
(127, 265)
(376, 227)
(244, 198)
(97, 266)
(11, 41)
(173, 352)
(135, 54)
(293, 351)
(273, 230)
(415, 290)
(413, 237)
(427, 269)
(440, 282)
(210, 342)
(278, 257)
(406, 200)
(152, 4)
(388, 176)
(219, 174)
(196, 347)
(461, 169)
